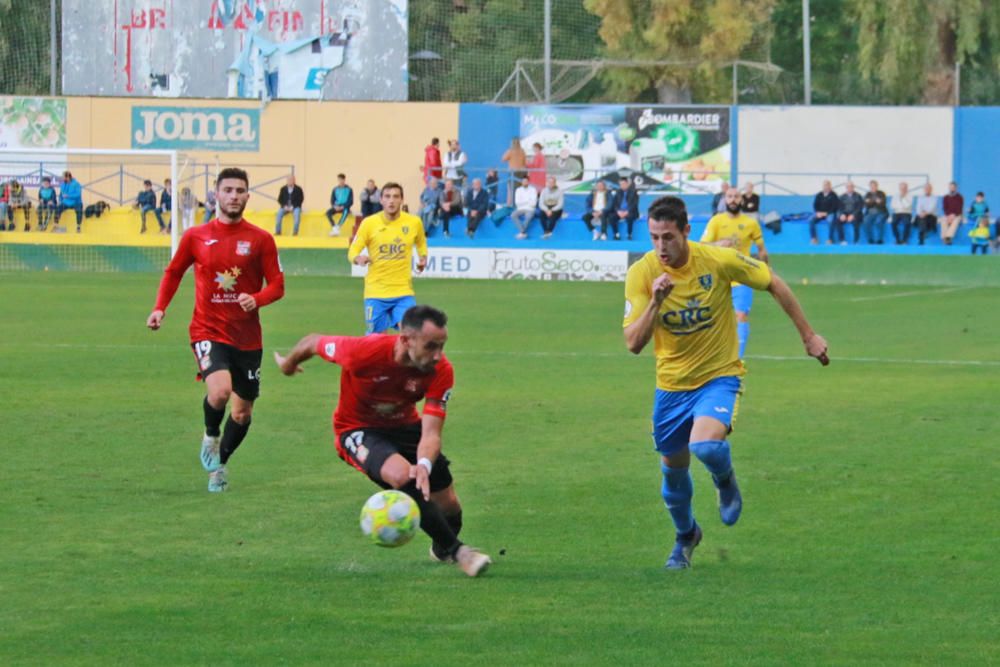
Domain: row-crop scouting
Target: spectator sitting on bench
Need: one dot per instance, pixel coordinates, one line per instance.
(825, 207)
(70, 197)
(625, 206)
(341, 201)
(450, 205)
(477, 202)
(47, 203)
(371, 200)
(17, 198)
(525, 205)
(166, 202)
(599, 204)
(429, 205)
(145, 201)
(550, 202)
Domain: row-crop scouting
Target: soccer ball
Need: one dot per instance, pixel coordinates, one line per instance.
(390, 518)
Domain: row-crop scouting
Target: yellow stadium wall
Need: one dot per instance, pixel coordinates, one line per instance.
(382, 141)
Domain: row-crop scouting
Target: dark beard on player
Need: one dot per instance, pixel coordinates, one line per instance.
(733, 208)
(233, 217)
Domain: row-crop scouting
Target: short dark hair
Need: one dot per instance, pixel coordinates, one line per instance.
(46, 179)
(435, 141)
(980, 194)
(415, 316)
(342, 176)
(393, 186)
(147, 182)
(232, 172)
(669, 209)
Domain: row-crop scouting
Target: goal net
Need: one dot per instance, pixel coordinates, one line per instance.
(101, 210)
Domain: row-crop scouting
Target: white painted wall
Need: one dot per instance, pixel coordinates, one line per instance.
(834, 142)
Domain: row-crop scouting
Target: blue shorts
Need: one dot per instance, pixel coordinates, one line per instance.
(384, 314)
(674, 412)
(742, 298)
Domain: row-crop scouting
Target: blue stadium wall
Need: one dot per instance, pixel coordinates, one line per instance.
(795, 148)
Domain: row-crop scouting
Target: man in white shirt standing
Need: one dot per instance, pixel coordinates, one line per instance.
(454, 163)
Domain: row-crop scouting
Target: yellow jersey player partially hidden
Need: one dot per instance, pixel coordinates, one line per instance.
(389, 236)
(732, 229)
(678, 295)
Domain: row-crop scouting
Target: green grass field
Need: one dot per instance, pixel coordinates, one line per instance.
(870, 532)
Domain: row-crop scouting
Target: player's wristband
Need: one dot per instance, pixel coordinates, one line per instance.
(426, 463)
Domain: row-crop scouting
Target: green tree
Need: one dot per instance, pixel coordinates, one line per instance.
(24, 47)
(702, 35)
(908, 49)
(479, 42)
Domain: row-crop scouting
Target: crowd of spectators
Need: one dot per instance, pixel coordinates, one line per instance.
(924, 213)
(610, 210)
(51, 203)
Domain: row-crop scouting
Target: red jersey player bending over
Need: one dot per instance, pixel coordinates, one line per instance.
(232, 259)
(378, 430)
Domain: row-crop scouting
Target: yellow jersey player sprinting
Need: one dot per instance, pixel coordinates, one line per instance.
(390, 236)
(732, 229)
(678, 295)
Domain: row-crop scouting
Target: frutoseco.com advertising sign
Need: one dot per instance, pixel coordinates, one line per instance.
(518, 264)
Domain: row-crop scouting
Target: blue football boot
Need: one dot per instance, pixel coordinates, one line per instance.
(680, 557)
(210, 459)
(730, 500)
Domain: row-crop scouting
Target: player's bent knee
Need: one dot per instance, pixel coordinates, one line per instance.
(742, 317)
(395, 471)
(219, 397)
(240, 414)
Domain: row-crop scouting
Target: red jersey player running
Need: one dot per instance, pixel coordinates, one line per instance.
(232, 259)
(378, 429)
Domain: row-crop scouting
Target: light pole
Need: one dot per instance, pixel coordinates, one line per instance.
(806, 60)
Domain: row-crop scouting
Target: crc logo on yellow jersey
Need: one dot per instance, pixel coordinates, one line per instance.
(397, 249)
(695, 317)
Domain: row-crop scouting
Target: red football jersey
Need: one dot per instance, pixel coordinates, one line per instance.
(378, 392)
(228, 260)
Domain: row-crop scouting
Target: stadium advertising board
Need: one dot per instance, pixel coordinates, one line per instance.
(28, 123)
(518, 264)
(266, 49)
(592, 265)
(204, 128)
(682, 149)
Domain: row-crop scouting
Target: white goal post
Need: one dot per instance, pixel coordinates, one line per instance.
(93, 166)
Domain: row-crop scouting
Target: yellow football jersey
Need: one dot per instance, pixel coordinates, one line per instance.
(389, 245)
(694, 338)
(742, 230)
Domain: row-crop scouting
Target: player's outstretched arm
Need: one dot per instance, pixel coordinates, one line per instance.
(814, 343)
(428, 450)
(303, 350)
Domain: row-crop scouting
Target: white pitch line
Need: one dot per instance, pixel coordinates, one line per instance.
(567, 354)
(876, 360)
(898, 295)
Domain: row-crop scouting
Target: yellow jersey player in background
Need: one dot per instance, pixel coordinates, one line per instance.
(678, 295)
(733, 229)
(389, 236)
